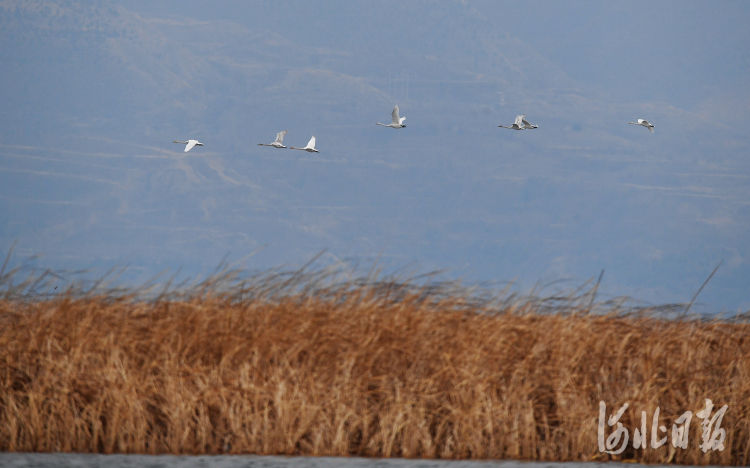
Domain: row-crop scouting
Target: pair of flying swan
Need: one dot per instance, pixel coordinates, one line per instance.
(279, 143)
(522, 124)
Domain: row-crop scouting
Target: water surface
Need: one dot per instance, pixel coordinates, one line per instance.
(78, 460)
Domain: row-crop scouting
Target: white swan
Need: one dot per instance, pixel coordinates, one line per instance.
(396, 121)
(278, 142)
(310, 148)
(189, 144)
(644, 123)
(519, 123)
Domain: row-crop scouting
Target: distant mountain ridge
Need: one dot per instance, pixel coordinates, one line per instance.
(94, 93)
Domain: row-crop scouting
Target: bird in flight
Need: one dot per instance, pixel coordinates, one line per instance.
(520, 124)
(396, 121)
(278, 142)
(189, 144)
(310, 147)
(644, 123)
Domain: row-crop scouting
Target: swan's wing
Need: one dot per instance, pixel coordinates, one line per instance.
(651, 129)
(180, 142)
(519, 120)
(280, 136)
(401, 120)
(190, 145)
(394, 115)
(311, 143)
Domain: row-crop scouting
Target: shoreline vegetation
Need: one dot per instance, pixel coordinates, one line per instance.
(302, 363)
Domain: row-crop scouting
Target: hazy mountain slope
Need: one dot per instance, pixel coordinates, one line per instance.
(95, 92)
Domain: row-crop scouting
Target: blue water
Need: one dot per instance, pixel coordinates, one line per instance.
(77, 460)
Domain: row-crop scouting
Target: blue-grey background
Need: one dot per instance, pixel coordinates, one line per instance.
(93, 93)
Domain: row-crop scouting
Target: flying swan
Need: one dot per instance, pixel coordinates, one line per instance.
(189, 144)
(310, 148)
(521, 124)
(396, 121)
(644, 123)
(278, 142)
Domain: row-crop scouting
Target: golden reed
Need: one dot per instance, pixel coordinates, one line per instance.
(369, 369)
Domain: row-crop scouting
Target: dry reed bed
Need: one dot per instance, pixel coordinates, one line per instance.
(366, 372)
